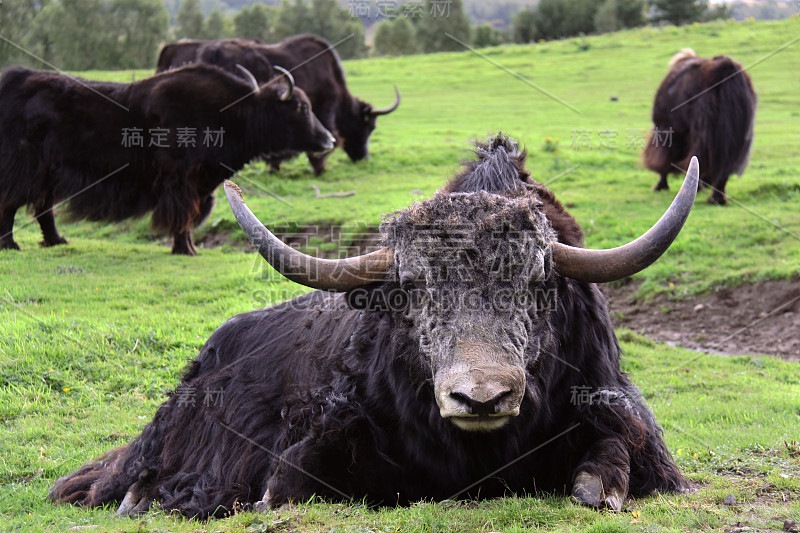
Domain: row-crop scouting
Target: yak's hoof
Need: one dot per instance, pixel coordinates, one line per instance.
(6, 245)
(614, 500)
(264, 505)
(54, 242)
(661, 187)
(715, 199)
(184, 250)
(588, 490)
(133, 504)
(268, 503)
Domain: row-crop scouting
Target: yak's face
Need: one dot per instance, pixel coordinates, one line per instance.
(301, 129)
(477, 271)
(355, 129)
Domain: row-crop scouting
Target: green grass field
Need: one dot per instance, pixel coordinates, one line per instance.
(92, 334)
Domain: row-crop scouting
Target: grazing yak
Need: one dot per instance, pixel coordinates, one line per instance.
(471, 356)
(116, 150)
(317, 69)
(704, 107)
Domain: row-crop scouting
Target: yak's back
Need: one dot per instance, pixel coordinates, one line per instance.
(174, 55)
(696, 82)
(313, 61)
(12, 93)
(268, 339)
(707, 107)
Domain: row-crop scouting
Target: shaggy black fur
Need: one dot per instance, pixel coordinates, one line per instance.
(704, 108)
(316, 68)
(320, 399)
(62, 139)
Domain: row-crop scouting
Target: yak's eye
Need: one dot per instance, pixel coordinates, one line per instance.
(408, 285)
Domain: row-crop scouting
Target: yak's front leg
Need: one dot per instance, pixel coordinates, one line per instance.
(718, 196)
(44, 215)
(662, 184)
(317, 162)
(297, 476)
(206, 205)
(274, 163)
(7, 213)
(178, 207)
(182, 243)
(602, 478)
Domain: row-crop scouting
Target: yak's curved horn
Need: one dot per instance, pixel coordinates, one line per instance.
(250, 77)
(324, 274)
(600, 266)
(289, 80)
(389, 109)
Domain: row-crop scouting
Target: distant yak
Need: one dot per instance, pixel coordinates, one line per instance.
(704, 107)
(472, 356)
(316, 68)
(119, 150)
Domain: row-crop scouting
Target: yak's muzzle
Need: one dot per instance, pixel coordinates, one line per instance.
(480, 391)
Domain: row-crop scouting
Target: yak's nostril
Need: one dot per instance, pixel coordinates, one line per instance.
(477, 407)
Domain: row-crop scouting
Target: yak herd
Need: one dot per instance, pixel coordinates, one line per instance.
(471, 355)
(164, 144)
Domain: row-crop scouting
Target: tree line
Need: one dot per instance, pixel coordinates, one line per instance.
(82, 34)
(127, 34)
(548, 19)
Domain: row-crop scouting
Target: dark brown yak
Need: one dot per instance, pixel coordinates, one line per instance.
(472, 356)
(704, 107)
(117, 150)
(316, 68)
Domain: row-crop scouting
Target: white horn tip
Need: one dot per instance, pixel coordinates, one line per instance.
(693, 172)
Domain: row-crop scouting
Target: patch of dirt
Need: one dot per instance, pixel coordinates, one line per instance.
(760, 318)
(324, 240)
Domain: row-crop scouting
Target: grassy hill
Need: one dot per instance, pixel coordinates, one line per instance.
(93, 333)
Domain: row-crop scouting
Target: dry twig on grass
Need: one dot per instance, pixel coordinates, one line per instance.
(332, 194)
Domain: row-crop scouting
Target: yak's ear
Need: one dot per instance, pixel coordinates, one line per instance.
(365, 111)
(378, 297)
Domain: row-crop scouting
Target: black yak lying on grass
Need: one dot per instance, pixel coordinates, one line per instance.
(472, 356)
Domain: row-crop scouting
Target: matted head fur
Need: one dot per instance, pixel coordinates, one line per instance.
(480, 267)
(471, 234)
(499, 168)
